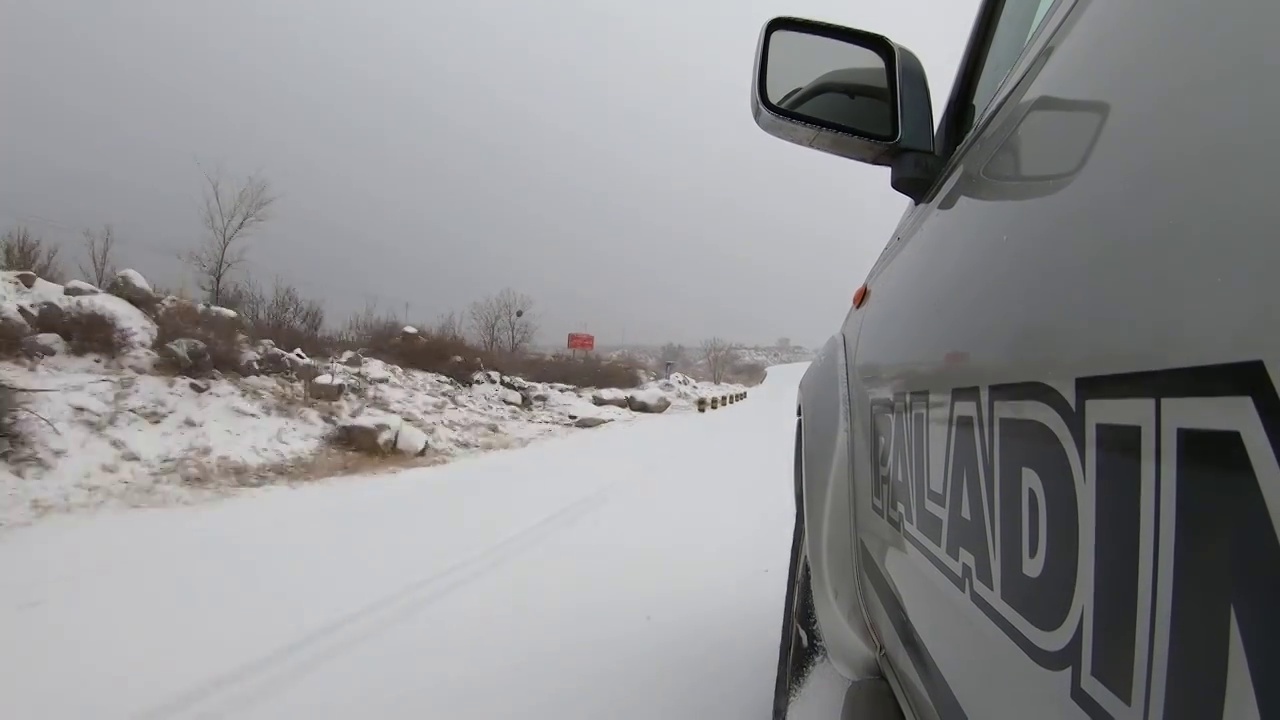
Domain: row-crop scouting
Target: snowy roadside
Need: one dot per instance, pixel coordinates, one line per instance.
(486, 588)
(129, 431)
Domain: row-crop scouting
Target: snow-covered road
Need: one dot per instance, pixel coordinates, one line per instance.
(634, 571)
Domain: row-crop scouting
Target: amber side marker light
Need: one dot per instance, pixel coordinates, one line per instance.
(860, 297)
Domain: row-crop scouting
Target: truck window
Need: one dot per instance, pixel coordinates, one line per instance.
(1016, 24)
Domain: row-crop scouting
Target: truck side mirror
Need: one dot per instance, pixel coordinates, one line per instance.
(849, 93)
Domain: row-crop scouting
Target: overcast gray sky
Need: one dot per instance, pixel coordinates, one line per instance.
(599, 156)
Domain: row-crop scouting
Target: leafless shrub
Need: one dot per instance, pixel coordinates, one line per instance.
(283, 315)
(98, 246)
(718, 354)
(370, 328)
(21, 250)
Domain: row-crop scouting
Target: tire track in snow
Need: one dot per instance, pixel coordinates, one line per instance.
(252, 682)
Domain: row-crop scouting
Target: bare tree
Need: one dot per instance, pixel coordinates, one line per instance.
(516, 322)
(20, 250)
(486, 323)
(99, 244)
(229, 214)
(449, 327)
(719, 355)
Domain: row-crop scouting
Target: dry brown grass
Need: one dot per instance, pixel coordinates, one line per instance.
(327, 462)
(92, 332)
(432, 353)
(588, 372)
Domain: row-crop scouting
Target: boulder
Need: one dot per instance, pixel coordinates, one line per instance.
(190, 356)
(609, 396)
(80, 288)
(383, 436)
(129, 285)
(249, 364)
(515, 383)
(50, 317)
(590, 422)
(199, 387)
(43, 345)
(273, 360)
(327, 388)
(410, 440)
(371, 438)
(27, 278)
(648, 401)
(482, 377)
(375, 373)
(352, 359)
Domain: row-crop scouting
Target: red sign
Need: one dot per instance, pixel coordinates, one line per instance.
(582, 341)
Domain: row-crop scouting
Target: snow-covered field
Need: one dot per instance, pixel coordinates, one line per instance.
(633, 571)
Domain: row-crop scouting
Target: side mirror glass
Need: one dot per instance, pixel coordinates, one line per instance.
(830, 82)
(845, 92)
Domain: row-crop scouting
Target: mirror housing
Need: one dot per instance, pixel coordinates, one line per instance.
(877, 107)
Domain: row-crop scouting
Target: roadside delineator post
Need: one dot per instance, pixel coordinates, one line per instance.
(715, 403)
(702, 404)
